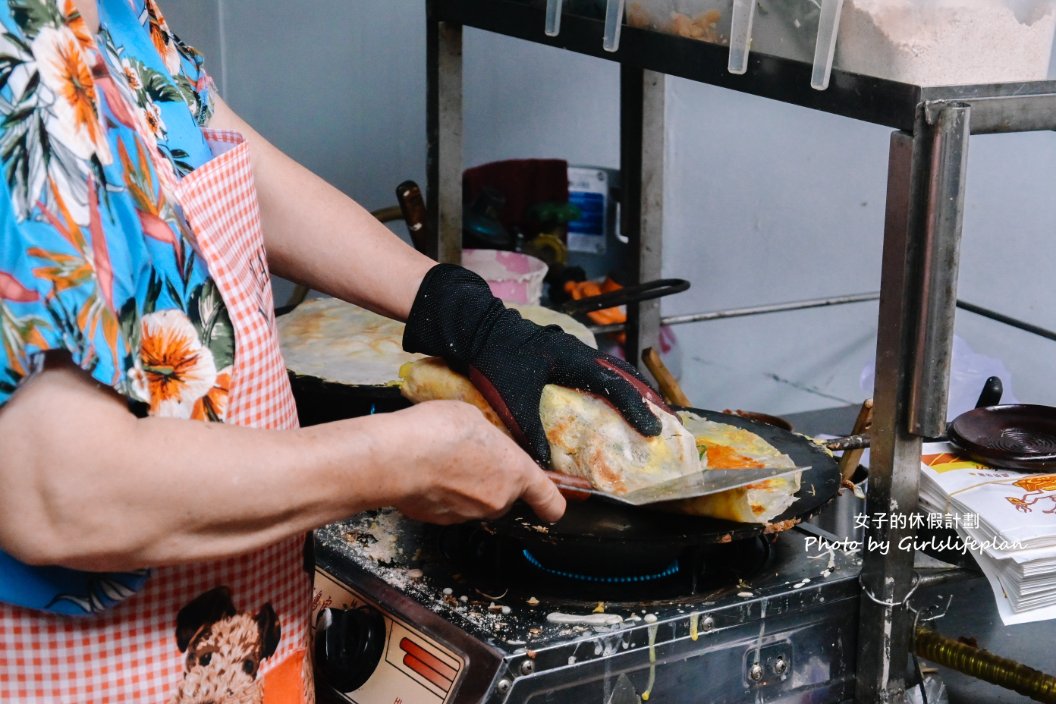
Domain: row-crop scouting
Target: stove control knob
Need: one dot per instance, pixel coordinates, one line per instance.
(348, 646)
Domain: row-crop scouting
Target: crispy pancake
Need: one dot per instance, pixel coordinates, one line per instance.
(588, 438)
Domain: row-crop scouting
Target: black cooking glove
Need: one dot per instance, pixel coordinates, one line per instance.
(510, 359)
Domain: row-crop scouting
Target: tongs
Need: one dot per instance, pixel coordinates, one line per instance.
(688, 486)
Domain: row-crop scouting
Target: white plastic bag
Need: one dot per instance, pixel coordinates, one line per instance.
(934, 688)
(969, 371)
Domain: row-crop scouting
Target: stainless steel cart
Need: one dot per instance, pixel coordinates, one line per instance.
(925, 202)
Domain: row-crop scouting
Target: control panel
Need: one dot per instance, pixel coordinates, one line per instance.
(371, 657)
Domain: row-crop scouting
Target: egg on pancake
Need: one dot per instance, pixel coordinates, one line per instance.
(729, 447)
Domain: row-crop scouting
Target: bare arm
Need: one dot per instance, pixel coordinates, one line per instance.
(88, 485)
(318, 236)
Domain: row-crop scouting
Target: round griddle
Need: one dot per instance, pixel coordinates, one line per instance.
(321, 401)
(1018, 436)
(593, 521)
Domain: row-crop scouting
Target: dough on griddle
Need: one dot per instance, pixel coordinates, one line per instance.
(724, 445)
(329, 339)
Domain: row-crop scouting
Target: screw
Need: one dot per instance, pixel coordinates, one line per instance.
(503, 686)
(755, 672)
(527, 667)
(708, 624)
(780, 666)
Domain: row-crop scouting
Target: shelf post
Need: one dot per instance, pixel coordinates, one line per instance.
(925, 201)
(443, 196)
(642, 144)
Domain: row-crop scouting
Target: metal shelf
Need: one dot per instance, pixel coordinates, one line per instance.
(999, 107)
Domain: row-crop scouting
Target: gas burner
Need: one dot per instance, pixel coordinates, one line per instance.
(670, 570)
(617, 572)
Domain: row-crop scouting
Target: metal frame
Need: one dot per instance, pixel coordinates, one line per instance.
(925, 205)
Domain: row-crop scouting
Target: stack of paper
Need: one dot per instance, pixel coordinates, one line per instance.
(1005, 519)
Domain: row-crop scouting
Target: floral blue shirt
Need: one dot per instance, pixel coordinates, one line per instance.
(95, 261)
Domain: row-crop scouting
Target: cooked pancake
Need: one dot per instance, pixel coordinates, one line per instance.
(330, 339)
(588, 438)
(335, 341)
(729, 447)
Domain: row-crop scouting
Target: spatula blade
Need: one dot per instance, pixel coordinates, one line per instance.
(691, 486)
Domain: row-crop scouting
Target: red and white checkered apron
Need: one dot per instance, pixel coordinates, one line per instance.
(129, 655)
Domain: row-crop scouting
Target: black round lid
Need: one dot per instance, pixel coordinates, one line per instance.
(1021, 436)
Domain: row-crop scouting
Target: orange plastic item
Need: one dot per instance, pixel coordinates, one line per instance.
(578, 290)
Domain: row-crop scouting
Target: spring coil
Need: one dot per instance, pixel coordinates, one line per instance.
(985, 665)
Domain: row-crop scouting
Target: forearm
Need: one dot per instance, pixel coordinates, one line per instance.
(88, 485)
(318, 236)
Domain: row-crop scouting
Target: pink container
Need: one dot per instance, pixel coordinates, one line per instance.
(512, 276)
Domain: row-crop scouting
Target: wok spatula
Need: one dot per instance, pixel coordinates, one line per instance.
(688, 486)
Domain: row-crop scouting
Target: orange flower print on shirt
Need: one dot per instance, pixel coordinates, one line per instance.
(75, 21)
(64, 70)
(152, 116)
(213, 406)
(173, 370)
(162, 38)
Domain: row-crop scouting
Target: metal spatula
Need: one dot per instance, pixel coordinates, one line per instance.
(689, 486)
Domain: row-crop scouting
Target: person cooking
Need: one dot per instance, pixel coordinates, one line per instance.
(156, 488)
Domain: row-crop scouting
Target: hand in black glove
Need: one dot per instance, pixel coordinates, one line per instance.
(510, 359)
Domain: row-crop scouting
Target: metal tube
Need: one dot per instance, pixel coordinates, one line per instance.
(771, 308)
(1007, 320)
(939, 250)
(750, 310)
(1000, 113)
(944, 575)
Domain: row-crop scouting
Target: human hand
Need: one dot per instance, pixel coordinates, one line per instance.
(510, 359)
(455, 466)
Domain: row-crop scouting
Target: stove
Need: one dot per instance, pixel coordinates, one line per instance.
(409, 613)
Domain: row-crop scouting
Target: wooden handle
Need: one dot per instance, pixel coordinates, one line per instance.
(850, 459)
(409, 197)
(669, 387)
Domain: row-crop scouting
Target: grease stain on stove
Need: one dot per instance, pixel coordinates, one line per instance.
(595, 619)
(652, 628)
